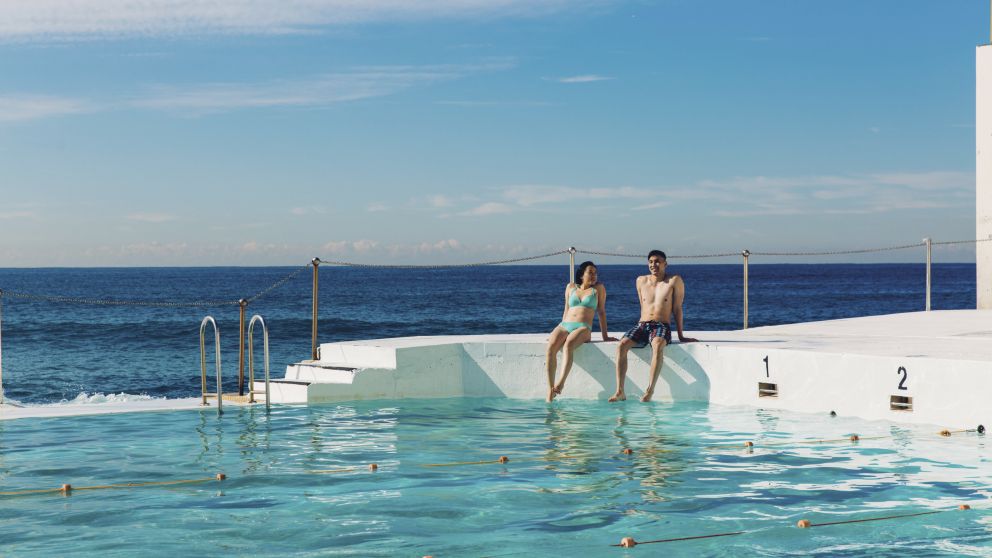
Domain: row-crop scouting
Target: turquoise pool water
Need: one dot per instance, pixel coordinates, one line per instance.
(298, 482)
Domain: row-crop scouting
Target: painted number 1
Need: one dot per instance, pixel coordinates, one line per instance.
(767, 375)
(902, 383)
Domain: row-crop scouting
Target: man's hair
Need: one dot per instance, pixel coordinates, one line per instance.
(658, 253)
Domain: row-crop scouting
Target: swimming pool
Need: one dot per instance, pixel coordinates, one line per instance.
(299, 482)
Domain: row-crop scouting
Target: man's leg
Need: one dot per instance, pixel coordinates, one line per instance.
(657, 358)
(625, 344)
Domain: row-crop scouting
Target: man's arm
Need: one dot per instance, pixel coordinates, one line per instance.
(677, 299)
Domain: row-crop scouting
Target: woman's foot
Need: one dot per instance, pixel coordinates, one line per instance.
(647, 395)
(618, 396)
(551, 394)
(558, 387)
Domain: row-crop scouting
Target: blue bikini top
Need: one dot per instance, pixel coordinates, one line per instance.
(590, 301)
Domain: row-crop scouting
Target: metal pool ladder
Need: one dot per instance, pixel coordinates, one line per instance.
(251, 361)
(203, 365)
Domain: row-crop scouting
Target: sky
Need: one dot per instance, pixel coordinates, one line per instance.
(268, 132)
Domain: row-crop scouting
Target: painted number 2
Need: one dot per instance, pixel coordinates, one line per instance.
(767, 375)
(902, 382)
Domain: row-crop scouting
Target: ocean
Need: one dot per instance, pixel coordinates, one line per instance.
(70, 351)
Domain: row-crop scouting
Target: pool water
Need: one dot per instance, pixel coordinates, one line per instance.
(299, 483)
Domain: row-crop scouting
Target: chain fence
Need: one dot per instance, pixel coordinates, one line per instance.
(61, 299)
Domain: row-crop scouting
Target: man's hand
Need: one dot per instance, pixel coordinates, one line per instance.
(608, 338)
(688, 339)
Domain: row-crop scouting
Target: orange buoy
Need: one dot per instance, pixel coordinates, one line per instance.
(855, 437)
(804, 524)
(628, 542)
(503, 459)
(628, 451)
(945, 433)
(964, 507)
(749, 444)
(373, 467)
(66, 488)
(221, 476)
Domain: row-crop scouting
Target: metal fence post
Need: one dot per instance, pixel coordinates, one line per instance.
(571, 264)
(929, 243)
(746, 254)
(313, 340)
(242, 305)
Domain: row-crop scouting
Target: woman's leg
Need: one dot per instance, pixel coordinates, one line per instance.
(575, 339)
(555, 342)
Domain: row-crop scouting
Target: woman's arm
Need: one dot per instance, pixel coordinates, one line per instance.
(601, 312)
(564, 312)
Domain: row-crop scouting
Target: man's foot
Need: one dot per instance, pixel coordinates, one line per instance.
(558, 387)
(647, 395)
(618, 396)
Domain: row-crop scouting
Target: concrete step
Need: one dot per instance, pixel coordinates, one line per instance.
(283, 390)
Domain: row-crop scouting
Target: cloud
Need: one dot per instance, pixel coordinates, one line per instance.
(336, 247)
(308, 210)
(4, 215)
(363, 246)
(376, 207)
(209, 98)
(118, 19)
(586, 78)
(32, 107)
(473, 104)
(440, 201)
(655, 205)
(531, 195)
(836, 194)
(151, 217)
(488, 208)
(319, 90)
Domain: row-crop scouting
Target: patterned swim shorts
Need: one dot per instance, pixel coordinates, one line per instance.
(645, 332)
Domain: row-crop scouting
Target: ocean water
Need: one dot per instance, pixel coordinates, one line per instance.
(65, 351)
(299, 483)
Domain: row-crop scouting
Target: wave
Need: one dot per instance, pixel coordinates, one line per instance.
(103, 399)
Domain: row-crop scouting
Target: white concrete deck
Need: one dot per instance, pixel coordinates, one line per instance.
(940, 361)
(10, 412)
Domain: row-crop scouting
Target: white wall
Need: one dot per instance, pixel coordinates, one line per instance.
(983, 172)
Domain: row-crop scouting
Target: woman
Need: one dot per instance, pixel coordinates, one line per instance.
(582, 300)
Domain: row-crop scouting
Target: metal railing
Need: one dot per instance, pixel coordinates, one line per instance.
(203, 364)
(251, 360)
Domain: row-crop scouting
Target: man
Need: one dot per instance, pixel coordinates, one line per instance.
(661, 295)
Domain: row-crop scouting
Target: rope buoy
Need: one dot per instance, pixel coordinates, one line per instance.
(628, 542)
(627, 451)
(855, 437)
(373, 467)
(804, 524)
(221, 476)
(945, 433)
(66, 489)
(503, 459)
(964, 507)
(749, 444)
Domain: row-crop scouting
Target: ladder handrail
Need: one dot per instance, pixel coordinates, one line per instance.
(251, 360)
(203, 364)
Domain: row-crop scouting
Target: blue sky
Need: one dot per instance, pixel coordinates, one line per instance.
(264, 132)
